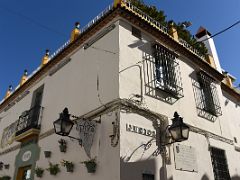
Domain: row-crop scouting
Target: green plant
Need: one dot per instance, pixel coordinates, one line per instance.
(91, 165)
(39, 171)
(53, 168)
(68, 164)
(5, 178)
(160, 16)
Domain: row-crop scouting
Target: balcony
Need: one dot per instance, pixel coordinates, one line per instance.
(28, 125)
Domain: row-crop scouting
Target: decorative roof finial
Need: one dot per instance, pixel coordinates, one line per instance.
(24, 77)
(45, 58)
(75, 32)
(9, 91)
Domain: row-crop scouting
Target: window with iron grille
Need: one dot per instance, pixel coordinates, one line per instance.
(167, 73)
(219, 163)
(208, 95)
(148, 177)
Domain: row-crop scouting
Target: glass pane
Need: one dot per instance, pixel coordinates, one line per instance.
(185, 133)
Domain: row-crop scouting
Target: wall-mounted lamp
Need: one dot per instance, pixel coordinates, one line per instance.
(178, 131)
(64, 124)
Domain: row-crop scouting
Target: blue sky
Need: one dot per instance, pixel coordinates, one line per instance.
(29, 27)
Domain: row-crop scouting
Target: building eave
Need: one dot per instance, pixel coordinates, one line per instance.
(170, 42)
(134, 19)
(230, 91)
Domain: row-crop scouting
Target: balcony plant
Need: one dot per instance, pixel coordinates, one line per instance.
(68, 164)
(39, 171)
(160, 16)
(53, 169)
(91, 165)
(5, 178)
(62, 145)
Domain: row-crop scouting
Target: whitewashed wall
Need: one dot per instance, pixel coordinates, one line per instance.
(75, 86)
(131, 53)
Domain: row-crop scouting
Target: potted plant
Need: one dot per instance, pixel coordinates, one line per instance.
(47, 154)
(6, 166)
(68, 164)
(91, 165)
(5, 178)
(39, 171)
(53, 169)
(62, 145)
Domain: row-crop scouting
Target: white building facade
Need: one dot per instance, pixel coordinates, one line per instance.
(122, 79)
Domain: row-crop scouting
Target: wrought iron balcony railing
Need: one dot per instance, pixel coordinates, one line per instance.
(143, 15)
(29, 119)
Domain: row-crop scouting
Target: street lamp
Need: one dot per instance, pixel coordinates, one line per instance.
(63, 125)
(179, 131)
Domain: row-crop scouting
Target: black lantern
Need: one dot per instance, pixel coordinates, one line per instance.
(179, 131)
(63, 125)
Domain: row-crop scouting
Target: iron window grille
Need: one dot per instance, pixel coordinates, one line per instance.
(167, 75)
(29, 119)
(208, 95)
(219, 163)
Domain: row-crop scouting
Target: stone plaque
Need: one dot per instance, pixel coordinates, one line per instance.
(26, 156)
(8, 135)
(185, 158)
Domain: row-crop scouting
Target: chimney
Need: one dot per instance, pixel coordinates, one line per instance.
(75, 32)
(24, 77)
(204, 35)
(45, 59)
(9, 91)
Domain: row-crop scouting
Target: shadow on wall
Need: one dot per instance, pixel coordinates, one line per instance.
(205, 177)
(235, 178)
(135, 170)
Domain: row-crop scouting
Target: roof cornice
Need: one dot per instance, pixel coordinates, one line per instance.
(134, 19)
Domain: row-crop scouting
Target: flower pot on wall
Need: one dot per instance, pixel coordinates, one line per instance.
(63, 148)
(47, 154)
(70, 168)
(91, 167)
(6, 166)
(62, 145)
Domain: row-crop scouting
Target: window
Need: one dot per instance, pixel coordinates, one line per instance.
(219, 163)
(148, 177)
(136, 32)
(208, 94)
(168, 77)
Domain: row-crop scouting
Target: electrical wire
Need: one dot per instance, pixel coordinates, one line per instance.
(218, 33)
(32, 21)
